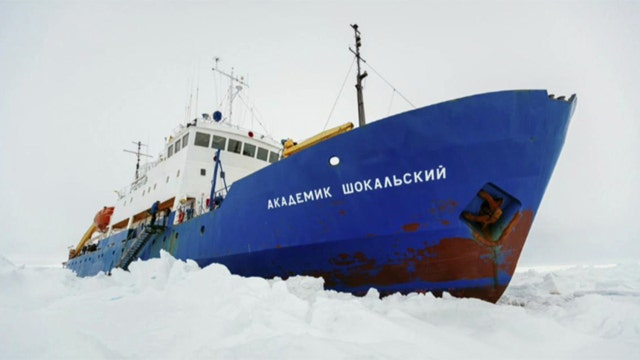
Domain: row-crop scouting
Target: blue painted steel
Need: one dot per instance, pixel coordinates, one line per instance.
(398, 191)
(215, 177)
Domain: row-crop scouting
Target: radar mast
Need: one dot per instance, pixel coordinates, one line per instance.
(360, 76)
(138, 155)
(233, 91)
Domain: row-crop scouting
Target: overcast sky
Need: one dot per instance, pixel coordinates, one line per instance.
(80, 81)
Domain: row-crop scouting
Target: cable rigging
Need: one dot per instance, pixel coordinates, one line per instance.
(359, 85)
(388, 83)
(339, 94)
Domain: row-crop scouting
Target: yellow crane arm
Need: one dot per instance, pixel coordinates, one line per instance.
(86, 237)
(290, 149)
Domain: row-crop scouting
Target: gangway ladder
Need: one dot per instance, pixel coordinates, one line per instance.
(140, 241)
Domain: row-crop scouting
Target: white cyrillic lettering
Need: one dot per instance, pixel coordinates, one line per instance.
(358, 186)
(411, 177)
(308, 195)
(396, 181)
(428, 175)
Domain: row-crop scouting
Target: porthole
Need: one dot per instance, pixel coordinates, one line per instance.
(203, 172)
(202, 230)
(167, 179)
(178, 173)
(334, 161)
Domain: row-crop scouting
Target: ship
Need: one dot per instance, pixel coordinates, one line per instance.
(437, 199)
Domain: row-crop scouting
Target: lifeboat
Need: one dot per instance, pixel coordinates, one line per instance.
(103, 218)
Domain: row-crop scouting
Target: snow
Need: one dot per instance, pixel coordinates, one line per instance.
(166, 308)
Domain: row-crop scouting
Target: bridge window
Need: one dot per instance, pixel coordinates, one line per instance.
(170, 151)
(177, 145)
(263, 154)
(234, 146)
(202, 139)
(249, 150)
(273, 157)
(185, 140)
(219, 142)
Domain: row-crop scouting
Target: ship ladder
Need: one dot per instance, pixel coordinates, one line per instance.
(134, 249)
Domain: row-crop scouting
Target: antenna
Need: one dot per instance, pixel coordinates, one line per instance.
(215, 79)
(197, 90)
(232, 79)
(187, 110)
(138, 154)
(360, 76)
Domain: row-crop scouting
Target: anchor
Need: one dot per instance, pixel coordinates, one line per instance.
(490, 210)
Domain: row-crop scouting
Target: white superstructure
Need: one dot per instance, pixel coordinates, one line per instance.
(184, 171)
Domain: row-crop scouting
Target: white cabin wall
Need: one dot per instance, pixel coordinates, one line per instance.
(235, 166)
(188, 161)
(156, 188)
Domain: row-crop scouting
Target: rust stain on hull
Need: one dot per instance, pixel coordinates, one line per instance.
(452, 259)
(412, 227)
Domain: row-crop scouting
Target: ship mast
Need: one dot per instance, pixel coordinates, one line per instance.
(138, 155)
(232, 78)
(360, 76)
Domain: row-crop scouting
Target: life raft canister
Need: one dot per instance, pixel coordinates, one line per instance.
(103, 218)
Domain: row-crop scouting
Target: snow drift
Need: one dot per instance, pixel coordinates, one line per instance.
(166, 308)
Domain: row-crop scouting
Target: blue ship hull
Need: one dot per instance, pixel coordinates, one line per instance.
(401, 210)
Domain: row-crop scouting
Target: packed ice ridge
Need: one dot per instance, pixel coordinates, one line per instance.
(166, 308)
